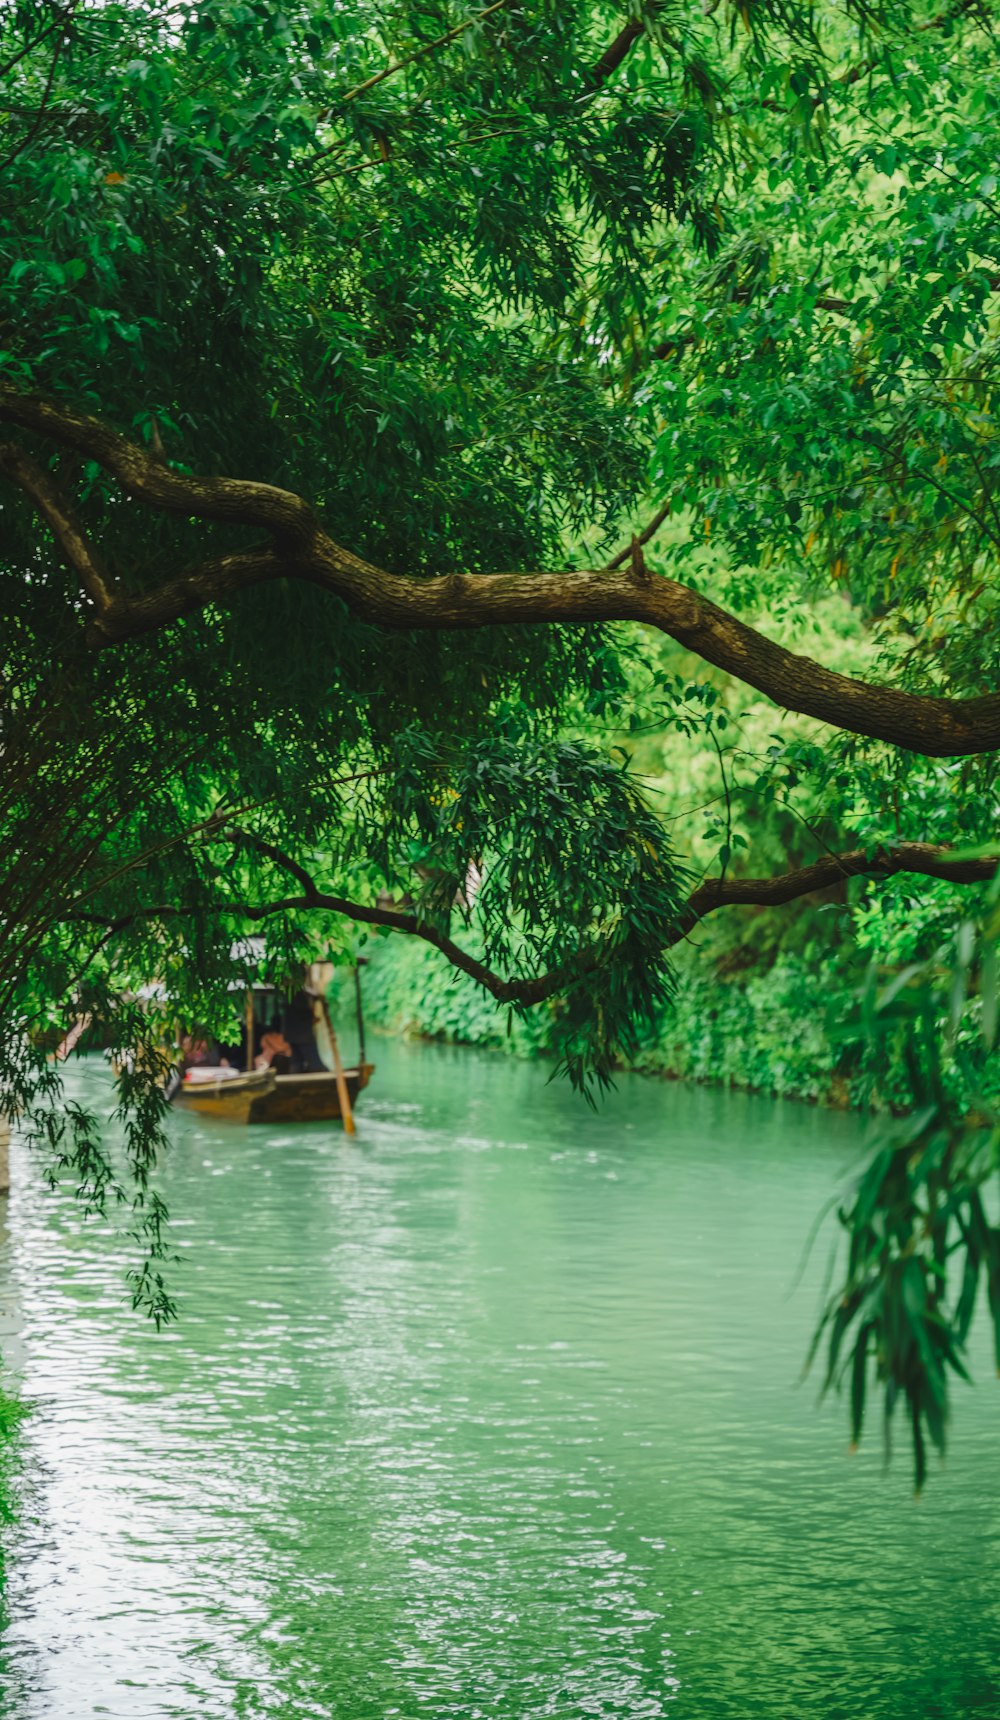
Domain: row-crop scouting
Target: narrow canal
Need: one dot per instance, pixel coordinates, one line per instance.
(493, 1412)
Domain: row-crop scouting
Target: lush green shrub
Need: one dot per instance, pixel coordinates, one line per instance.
(769, 1031)
(792, 1029)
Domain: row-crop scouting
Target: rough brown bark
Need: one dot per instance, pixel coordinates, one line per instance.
(300, 549)
(923, 859)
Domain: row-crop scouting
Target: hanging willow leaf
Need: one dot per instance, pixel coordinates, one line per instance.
(918, 1238)
(859, 1380)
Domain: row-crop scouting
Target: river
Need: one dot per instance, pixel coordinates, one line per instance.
(494, 1411)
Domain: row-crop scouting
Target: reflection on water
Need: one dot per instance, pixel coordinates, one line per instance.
(492, 1412)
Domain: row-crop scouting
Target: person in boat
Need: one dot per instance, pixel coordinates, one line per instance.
(209, 1054)
(299, 1029)
(203, 1058)
(274, 1051)
(197, 1053)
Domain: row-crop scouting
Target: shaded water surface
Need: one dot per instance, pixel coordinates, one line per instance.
(491, 1412)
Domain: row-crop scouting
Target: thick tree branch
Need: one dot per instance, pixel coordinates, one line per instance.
(302, 550)
(924, 859)
(505, 991)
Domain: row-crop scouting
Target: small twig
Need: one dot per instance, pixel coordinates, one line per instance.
(729, 804)
(643, 538)
(398, 66)
(26, 142)
(60, 19)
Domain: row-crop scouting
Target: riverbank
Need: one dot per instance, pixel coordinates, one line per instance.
(784, 1032)
(790, 1030)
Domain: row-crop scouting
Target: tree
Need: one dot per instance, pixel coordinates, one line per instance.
(315, 324)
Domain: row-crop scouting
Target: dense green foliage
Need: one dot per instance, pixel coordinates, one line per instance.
(767, 1030)
(481, 287)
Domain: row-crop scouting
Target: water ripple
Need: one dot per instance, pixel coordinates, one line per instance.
(491, 1414)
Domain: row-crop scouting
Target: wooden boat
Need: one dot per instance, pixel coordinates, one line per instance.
(230, 1098)
(312, 1098)
(323, 1093)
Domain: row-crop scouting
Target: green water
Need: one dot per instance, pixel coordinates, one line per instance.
(492, 1412)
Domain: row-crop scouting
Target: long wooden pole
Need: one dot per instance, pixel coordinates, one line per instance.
(248, 1017)
(342, 1094)
(360, 1014)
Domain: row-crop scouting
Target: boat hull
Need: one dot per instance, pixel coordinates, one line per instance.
(309, 1098)
(230, 1101)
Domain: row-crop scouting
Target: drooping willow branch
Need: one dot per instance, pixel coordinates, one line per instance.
(925, 859)
(298, 548)
(922, 859)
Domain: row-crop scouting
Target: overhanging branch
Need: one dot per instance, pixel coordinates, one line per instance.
(924, 859)
(300, 549)
(921, 859)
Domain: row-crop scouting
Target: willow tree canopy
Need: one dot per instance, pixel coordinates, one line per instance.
(377, 383)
